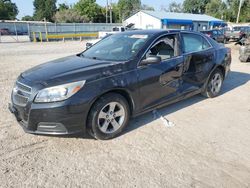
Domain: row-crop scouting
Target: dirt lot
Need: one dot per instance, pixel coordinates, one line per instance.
(207, 147)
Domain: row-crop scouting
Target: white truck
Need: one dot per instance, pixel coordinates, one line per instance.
(102, 34)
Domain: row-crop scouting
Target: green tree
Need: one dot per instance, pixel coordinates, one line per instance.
(63, 6)
(245, 12)
(175, 7)
(27, 18)
(216, 8)
(228, 10)
(128, 7)
(195, 6)
(8, 10)
(115, 13)
(233, 6)
(90, 9)
(44, 9)
(70, 16)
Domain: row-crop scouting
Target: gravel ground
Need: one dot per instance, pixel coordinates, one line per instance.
(207, 147)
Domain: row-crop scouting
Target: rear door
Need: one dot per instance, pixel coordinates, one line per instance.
(198, 56)
(160, 82)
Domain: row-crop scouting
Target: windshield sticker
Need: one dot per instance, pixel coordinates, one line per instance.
(139, 36)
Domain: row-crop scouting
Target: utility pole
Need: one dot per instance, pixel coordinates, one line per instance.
(238, 16)
(107, 4)
(110, 11)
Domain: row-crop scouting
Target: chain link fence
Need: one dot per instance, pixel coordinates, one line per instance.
(44, 31)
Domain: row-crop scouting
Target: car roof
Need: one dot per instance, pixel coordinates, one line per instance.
(149, 31)
(158, 31)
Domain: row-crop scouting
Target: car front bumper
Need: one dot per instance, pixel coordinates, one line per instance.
(60, 120)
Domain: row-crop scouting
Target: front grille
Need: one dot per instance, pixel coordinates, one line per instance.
(21, 94)
(23, 87)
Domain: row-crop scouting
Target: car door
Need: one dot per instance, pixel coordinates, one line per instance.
(160, 82)
(198, 56)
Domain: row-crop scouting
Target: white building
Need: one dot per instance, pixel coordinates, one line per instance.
(170, 20)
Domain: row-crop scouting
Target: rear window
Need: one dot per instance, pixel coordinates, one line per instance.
(194, 43)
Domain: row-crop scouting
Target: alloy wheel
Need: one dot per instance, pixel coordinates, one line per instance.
(215, 83)
(111, 117)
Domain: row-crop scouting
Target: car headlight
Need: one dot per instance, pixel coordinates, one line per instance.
(59, 93)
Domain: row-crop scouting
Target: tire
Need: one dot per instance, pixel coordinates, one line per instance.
(104, 122)
(213, 86)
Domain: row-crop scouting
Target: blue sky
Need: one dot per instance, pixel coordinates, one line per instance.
(25, 7)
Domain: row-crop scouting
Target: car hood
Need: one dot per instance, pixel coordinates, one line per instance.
(72, 68)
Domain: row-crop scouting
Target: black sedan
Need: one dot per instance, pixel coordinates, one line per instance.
(124, 75)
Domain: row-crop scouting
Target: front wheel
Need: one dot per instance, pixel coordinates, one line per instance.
(214, 84)
(108, 116)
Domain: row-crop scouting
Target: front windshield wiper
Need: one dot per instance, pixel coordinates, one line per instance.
(95, 58)
(89, 57)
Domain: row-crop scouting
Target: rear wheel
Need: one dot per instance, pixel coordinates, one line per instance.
(214, 84)
(108, 116)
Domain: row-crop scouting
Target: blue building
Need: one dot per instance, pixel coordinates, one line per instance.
(170, 20)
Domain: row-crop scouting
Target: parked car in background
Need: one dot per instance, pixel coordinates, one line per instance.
(237, 32)
(5, 31)
(216, 34)
(245, 32)
(126, 74)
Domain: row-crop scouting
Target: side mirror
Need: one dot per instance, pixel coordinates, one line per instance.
(151, 60)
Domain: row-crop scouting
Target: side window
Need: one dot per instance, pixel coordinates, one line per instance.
(206, 45)
(194, 43)
(165, 47)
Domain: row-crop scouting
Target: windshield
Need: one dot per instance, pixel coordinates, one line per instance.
(120, 47)
(239, 28)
